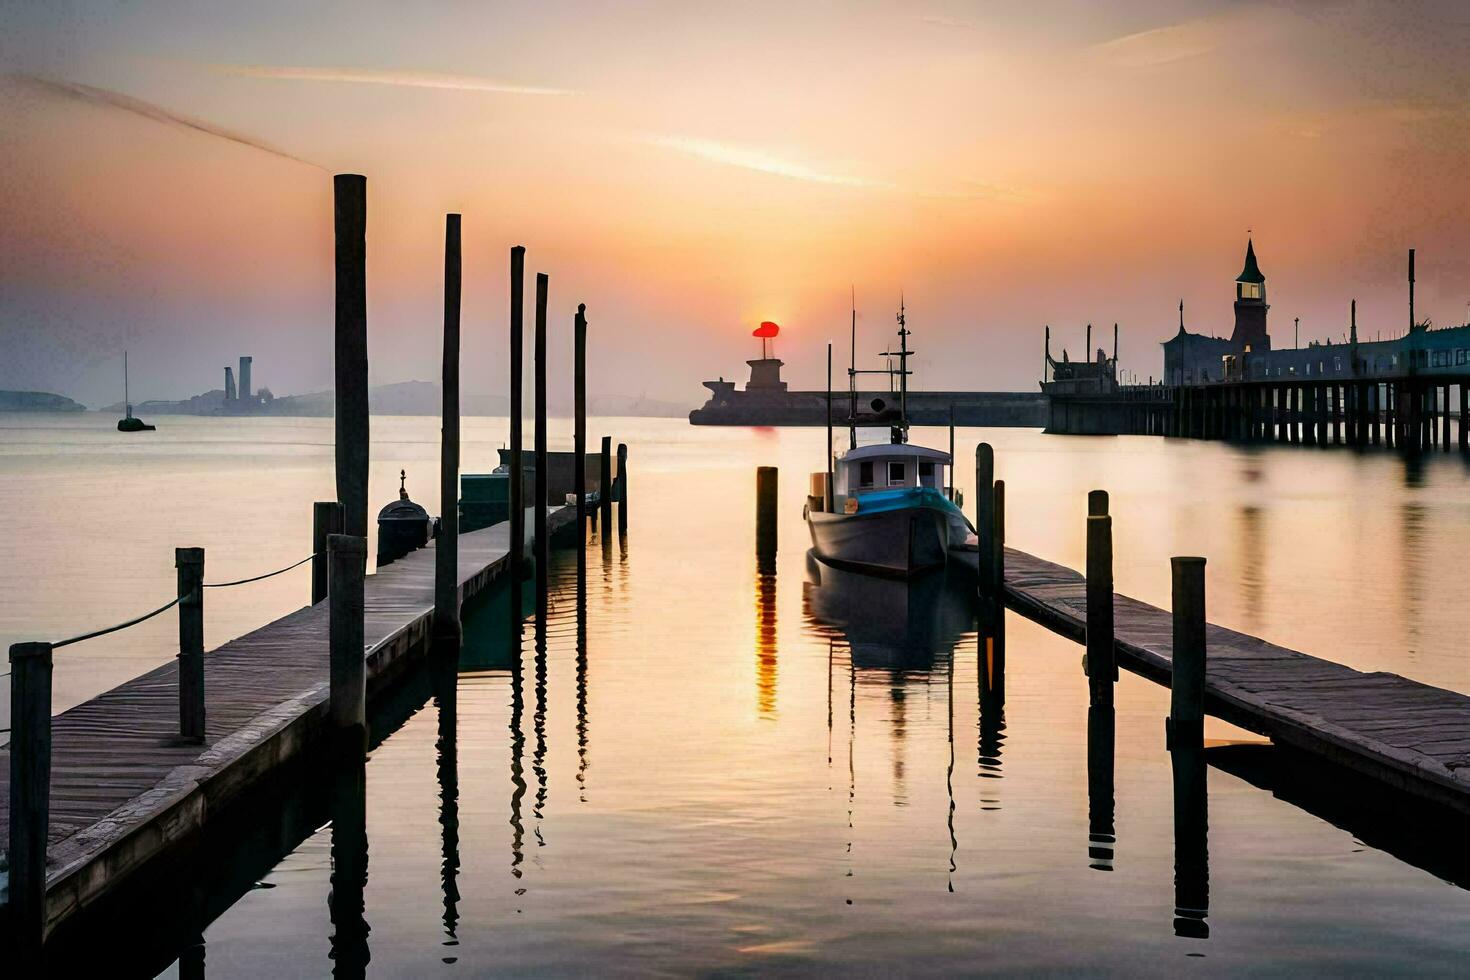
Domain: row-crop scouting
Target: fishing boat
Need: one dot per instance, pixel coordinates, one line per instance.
(889, 508)
(128, 423)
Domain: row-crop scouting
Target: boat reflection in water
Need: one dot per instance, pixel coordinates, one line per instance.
(891, 623)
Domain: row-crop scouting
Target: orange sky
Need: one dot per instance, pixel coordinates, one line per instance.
(688, 170)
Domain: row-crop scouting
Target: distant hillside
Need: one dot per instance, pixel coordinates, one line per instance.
(37, 401)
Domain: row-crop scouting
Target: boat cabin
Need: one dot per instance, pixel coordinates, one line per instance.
(890, 466)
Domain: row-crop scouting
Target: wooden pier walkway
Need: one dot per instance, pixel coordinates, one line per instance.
(125, 788)
(1404, 733)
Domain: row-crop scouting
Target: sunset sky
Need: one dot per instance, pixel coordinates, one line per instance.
(688, 170)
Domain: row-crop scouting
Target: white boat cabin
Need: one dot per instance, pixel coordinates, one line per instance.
(890, 466)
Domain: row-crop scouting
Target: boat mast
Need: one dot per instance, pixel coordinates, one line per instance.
(127, 399)
(903, 372)
(852, 377)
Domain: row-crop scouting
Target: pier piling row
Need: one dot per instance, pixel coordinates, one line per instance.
(1412, 413)
(1402, 733)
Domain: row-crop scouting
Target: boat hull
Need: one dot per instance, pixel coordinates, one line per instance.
(899, 543)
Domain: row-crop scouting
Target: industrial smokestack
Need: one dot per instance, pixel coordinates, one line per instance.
(1411, 290)
(245, 394)
(229, 383)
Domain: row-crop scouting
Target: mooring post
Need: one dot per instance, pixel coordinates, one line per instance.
(517, 468)
(985, 514)
(447, 628)
(579, 426)
(543, 545)
(622, 488)
(351, 363)
(765, 517)
(347, 707)
(605, 485)
(30, 792)
(190, 565)
(998, 554)
(1464, 419)
(1187, 684)
(326, 519)
(1102, 668)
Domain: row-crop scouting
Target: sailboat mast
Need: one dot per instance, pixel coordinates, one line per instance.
(127, 399)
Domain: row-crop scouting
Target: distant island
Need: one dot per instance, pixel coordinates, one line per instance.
(402, 398)
(37, 401)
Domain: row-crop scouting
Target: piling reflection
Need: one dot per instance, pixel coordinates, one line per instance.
(446, 746)
(538, 721)
(1191, 842)
(349, 940)
(1100, 807)
(765, 643)
(517, 764)
(582, 678)
(991, 652)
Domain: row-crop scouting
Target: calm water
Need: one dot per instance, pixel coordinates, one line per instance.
(791, 772)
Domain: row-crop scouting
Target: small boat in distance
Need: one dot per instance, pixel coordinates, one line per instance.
(887, 509)
(128, 423)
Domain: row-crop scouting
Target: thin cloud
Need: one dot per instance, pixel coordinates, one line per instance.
(405, 79)
(1160, 45)
(759, 161)
(106, 98)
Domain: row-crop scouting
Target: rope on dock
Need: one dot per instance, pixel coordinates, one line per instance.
(257, 578)
(113, 629)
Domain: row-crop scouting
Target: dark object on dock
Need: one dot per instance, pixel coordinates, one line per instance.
(351, 360)
(446, 550)
(403, 526)
(1102, 669)
(484, 499)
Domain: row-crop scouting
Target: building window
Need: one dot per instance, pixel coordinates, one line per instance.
(865, 474)
(895, 474)
(1337, 364)
(1309, 369)
(926, 474)
(1460, 355)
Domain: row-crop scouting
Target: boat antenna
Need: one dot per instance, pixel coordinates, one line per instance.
(903, 370)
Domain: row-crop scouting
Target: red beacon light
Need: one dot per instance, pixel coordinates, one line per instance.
(765, 332)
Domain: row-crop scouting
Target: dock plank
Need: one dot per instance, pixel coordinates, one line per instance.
(123, 783)
(1410, 735)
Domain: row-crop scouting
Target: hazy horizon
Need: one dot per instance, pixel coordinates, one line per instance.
(690, 170)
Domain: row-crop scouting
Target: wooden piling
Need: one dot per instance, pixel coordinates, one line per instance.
(622, 488)
(765, 517)
(543, 545)
(1102, 665)
(30, 794)
(1187, 681)
(347, 701)
(446, 550)
(326, 519)
(517, 543)
(1464, 419)
(351, 362)
(605, 485)
(190, 565)
(985, 514)
(998, 552)
(579, 425)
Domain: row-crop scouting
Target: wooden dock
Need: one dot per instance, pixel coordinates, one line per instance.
(1404, 733)
(125, 789)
